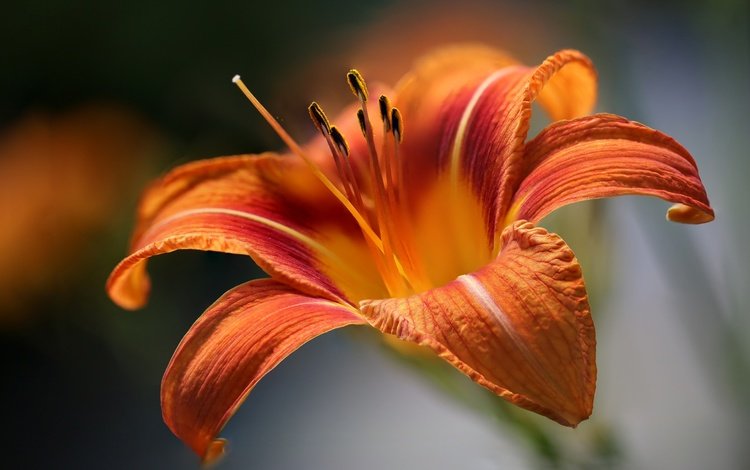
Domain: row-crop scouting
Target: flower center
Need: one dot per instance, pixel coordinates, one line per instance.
(380, 208)
(396, 261)
(398, 267)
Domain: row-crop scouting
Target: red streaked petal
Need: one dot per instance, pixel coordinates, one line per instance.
(497, 118)
(431, 98)
(451, 168)
(519, 326)
(268, 207)
(603, 156)
(237, 341)
(565, 85)
(467, 112)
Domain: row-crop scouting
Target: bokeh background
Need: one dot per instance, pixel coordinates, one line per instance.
(97, 98)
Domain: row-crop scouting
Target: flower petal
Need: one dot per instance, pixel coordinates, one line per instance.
(237, 341)
(467, 112)
(433, 97)
(520, 326)
(269, 207)
(438, 100)
(565, 86)
(603, 156)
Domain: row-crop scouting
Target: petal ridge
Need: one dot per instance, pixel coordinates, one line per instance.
(232, 346)
(251, 205)
(540, 353)
(605, 155)
(564, 95)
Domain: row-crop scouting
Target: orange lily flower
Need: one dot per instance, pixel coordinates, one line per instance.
(426, 233)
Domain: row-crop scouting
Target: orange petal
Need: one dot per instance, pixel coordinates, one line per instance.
(603, 156)
(467, 113)
(432, 99)
(268, 207)
(519, 326)
(237, 341)
(565, 85)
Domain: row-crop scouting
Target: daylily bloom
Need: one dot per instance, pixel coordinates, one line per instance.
(421, 224)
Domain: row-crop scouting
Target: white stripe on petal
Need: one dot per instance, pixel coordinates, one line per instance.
(477, 290)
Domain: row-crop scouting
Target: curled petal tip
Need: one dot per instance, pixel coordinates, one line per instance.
(128, 286)
(688, 215)
(214, 453)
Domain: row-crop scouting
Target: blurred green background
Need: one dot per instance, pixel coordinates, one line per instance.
(98, 98)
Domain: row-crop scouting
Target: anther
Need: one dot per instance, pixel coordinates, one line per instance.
(357, 84)
(297, 149)
(385, 108)
(397, 124)
(362, 121)
(340, 141)
(319, 118)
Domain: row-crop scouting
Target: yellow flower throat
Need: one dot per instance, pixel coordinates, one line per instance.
(402, 248)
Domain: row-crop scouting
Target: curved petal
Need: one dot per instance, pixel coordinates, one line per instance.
(433, 98)
(236, 342)
(603, 156)
(467, 112)
(269, 207)
(565, 85)
(438, 100)
(520, 326)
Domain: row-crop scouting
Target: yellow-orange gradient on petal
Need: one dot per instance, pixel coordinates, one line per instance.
(417, 217)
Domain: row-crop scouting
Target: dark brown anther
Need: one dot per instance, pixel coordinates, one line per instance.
(385, 111)
(319, 118)
(357, 84)
(362, 122)
(397, 124)
(340, 141)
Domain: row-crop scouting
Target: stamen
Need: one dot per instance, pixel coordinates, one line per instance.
(362, 123)
(343, 147)
(340, 141)
(386, 246)
(416, 270)
(397, 128)
(385, 115)
(295, 147)
(319, 118)
(321, 122)
(382, 204)
(392, 273)
(357, 84)
(397, 124)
